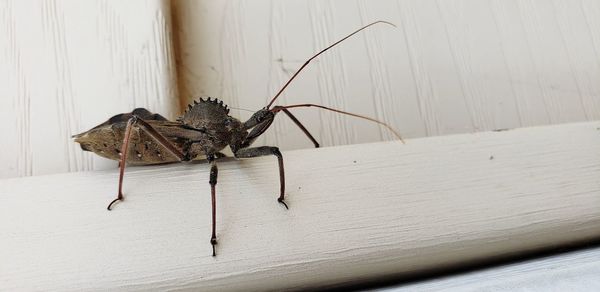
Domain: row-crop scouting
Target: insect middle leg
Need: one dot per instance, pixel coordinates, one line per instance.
(214, 171)
(262, 151)
(135, 121)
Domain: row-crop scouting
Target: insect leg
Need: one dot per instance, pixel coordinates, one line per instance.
(298, 123)
(124, 147)
(135, 121)
(214, 171)
(160, 139)
(220, 155)
(262, 151)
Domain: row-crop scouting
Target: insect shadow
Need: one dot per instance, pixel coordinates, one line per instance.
(206, 128)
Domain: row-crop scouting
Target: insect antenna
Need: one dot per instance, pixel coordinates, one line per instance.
(279, 108)
(319, 53)
(241, 109)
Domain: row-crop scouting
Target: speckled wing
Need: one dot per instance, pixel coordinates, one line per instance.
(106, 139)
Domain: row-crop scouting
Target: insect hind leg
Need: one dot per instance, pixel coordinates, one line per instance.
(137, 122)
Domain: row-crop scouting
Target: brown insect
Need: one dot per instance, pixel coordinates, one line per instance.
(141, 137)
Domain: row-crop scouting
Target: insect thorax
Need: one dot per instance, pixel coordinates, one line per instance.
(212, 117)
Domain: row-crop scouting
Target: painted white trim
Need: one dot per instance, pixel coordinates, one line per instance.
(356, 212)
(573, 271)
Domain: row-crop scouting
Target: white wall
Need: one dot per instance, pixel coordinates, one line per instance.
(449, 67)
(66, 66)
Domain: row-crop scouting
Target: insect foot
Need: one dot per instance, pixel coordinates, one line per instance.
(213, 242)
(280, 200)
(113, 202)
(119, 198)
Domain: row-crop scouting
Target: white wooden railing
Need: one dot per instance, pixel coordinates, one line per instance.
(357, 213)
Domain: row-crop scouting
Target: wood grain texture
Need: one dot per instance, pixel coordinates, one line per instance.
(69, 65)
(456, 66)
(356, 212)
(574, 271)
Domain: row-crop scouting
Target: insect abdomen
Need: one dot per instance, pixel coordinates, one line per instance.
(107, 140)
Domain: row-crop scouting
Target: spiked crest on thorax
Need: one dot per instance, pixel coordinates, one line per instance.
(205, 112)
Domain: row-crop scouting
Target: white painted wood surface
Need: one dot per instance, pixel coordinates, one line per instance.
(573, 271)
(356, 212)
(455, 66)
(66, 66)
(450, 67)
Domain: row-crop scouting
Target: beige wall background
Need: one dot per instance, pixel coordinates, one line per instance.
(450, 67)
(68, 65)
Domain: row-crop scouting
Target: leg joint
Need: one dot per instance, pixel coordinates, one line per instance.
(276, 152)
(213, 175)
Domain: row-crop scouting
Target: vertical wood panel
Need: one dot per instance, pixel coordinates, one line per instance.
(551, 63)
(473, 39)
(70, 65)
(581, 54)
(450, 66)
(387, 80)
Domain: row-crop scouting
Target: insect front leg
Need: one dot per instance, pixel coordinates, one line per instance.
(135, 121)
(262, 120)
(298, 123)
(262, 151)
